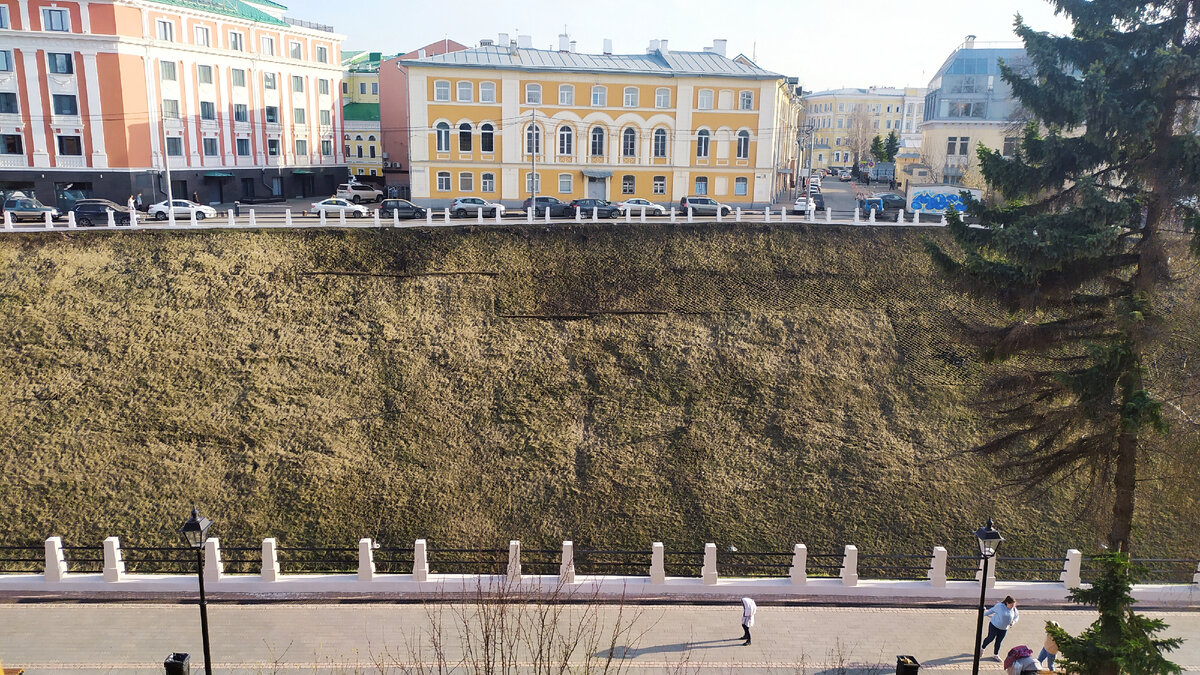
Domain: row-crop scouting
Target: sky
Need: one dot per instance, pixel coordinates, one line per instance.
(827, 44)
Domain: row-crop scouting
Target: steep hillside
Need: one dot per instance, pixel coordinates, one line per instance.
(614, 385)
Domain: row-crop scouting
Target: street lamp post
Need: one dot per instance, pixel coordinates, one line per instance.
(195, 531)
(989, 540)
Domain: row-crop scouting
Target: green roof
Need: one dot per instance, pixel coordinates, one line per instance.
(268, 3)
(360, 112)
(234, 8)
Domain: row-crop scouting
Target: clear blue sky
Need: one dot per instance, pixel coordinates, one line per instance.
(827, 44)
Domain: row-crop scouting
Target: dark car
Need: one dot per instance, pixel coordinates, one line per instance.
(603, 209)
(95, 212)
(401, 207)
(558, 209)
(20, 207)
(818, 201)
(891, 200)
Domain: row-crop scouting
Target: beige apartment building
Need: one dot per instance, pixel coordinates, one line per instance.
(844, 121)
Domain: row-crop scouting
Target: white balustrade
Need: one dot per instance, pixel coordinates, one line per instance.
(514, 550)
(849, 572)
(799, 569)
(708, 574)
(566, 567)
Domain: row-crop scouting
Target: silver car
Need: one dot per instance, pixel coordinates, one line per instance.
(703, 206)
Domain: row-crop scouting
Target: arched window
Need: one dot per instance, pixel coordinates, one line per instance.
(464, 137)
(358, 137)
(702, 144)
(487, 92)
(533, 94)
(346, 137)
(743, 144)
(464, 91)
(598, 141)
(443, 137)
(566, 140)
(660, 142)
(533, 140)
(629, 143)
(371, 137)
(486, 138)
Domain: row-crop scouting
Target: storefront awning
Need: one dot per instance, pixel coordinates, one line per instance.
(597, 173)
(301, 172)
(218, 174)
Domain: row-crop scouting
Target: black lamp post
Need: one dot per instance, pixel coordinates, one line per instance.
(195, 530)
(989, 540)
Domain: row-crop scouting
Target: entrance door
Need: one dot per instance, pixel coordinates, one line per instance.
(596, 188)
(277, 187)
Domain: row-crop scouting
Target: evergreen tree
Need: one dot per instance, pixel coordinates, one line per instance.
(1120, 641)
(1077, 249)
(891, 145)
(877, 149)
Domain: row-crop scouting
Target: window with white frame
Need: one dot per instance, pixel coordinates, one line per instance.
(629, 143)
(362, 87)
(201, 36)
(295, 50)
(487, 182)
(323, 86)
(701, 185)
(741, 185)
(210, 147)
(4, 17)
(273, 147)
(238, 77)
(10, 144)
(204, 74)
(6, 61)
(443, 181)
(465, 91)
(170, 108)
(660, 143)
(73, 145)
(322, 55)
(442, 137)
(167, 70)
(464, 137)
(268, 80)
(241, 112)
(174, 146)
(533, 140)
(704, 99)
(374, 88)
(441, 90)
(533, 182)
(297, 84)
(487, 92)
(533, 94)
(299, 115)
(627, 185)
(566, 140)
(67, 104)
(660, 185)
(326, 118)
(599, 96)
(746, 100)
(702, 138)
(301, 149)
(566, 94)
(165, 29)
(208, 110)
(597, 141)
(487, 138)
(268, 45)
(237, 41)
(565, 183)
(466, 181)
(662, 97)
(64, 64)
(327, 147)
(743, 144)
(631, 97)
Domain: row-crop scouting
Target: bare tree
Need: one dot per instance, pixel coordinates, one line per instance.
(861, 132)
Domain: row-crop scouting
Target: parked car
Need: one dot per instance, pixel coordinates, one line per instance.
(891, 200)
(183, 210)
(20, 207)
(469, 206)
(703, 206)
(801, 204)
(814, 181)
(558, 209)
(334, 205)
(401, 207)
(359, 192)
(818, 201)
(844, 176)
(814, 189)
(636, 205)
(89, 212)
(604, 209)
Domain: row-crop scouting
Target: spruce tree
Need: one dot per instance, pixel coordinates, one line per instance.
(891, 145)
(1076, 247)
(877, 149)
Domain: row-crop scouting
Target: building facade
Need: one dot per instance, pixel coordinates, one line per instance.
(846, 120)
(503, 120)
(95, 95)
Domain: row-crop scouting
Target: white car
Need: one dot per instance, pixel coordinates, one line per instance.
(636, 205)
(334, 205)
(801, 204)
(814, 181)
(183, 210)
(469, 206)
(359, 192)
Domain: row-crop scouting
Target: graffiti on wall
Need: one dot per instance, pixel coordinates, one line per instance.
(925, 200)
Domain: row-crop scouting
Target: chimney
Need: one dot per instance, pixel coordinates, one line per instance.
(421, 53)
(719, 46)
(485, 43)
(662, 46)
(572, 46)
(608, 46)
(970, 44)
(653, 47)
(564, 42)
(525, 41)
(502, 41)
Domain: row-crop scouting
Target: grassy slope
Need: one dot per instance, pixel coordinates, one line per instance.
(754, 387)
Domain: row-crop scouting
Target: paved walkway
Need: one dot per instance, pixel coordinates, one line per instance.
(387, 638)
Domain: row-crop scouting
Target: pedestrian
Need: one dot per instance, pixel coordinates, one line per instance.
(139, 201)
(1049, 649)
(130, 202)
(748, 610)
(1004, 615)
(1020, 660)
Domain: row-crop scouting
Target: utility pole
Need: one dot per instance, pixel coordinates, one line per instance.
(162, 123)
(531, 141)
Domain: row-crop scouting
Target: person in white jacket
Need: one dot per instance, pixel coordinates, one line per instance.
(748, 610)
(1004, 615)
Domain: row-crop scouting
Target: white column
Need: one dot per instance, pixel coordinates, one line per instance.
(689, 213)
(658, 566)
(566, 568)
(193, 217)
(514, 552)
(429, 216)
(709, 573)
(41, 156)
(420, 571)
(270, 561)
(114, 566)
(366, 560)
(95, 112)
(871, 219)
(850, 566)
(799, 569)
(1071, 569)
(828, 215)
(56, 563)
(783, 214)
(767, 214)
(937, 567)
(213, 567)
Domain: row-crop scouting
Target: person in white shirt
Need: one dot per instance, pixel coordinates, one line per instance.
(1004, 615)
(748, 610)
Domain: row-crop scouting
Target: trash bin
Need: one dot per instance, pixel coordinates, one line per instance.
(178, 664)
(907, 665)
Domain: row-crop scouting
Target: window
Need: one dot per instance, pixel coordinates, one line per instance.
(323, 86)
(566, 140)
(70, 145)
(660, 185)
(702, 144)
(63, 64)
(273, 147)
(241, 112)
(201, 37)
(8, 103)
(345, 87)
(533, 94)
(740, 186)
(322, 55)
(966, 109)
(466, 182)
(952, 145)
(299, 115)
(1011, 143)
(705, 99)
(598, 141)
(841, 107)
(486, 139)
(3, 17)
(660, 143)
(237, 41)
(743, 144)
(701, 185)
(301, 148)
(442, 137)
(166, 30)
(627, 185)
(839, 122)
(533, 182)
(359, 151)
(66, 104)
(464, 137)
(327, 147)
(208, 110)
(631, 97)
(564, 183)
(297, 83)
(599, 96)
(272, 113)
(629, 143)
(210, 147)
(238, 77)
(6, 61)
(464, 91)
(662, 97)
(746, 100)
(443, 181)
(204, 74)
(269, 81)
(487, 182)
(10, 144)
(167, 70)
(174, 146)
(964, 145)
(268, 45)
(56, 19)
(441, 90)
(533, 140)
(362, 88)
(487, 92)
(566, 94)
(295, 50)
(326, 118)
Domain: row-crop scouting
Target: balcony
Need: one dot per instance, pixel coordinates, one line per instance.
(14, 161)
(69, 161)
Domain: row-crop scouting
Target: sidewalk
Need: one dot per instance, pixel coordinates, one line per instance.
(378, 638)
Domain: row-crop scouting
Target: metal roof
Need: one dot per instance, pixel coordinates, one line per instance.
(668, 64)
(360, 112)
(234, 8)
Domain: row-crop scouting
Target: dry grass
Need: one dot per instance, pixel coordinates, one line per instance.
(607, 384)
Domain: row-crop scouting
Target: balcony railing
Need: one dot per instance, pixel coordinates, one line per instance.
(14, 161)
(308, 24)
(70, 162)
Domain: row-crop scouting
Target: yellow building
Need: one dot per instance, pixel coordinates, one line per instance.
(659, 126)
(845, 121)
(362, 135)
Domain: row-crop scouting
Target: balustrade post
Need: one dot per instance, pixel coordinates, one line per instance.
(514, 550)
(366, 559)
(900, 217)
(943, 220)
(429, 216)
(446, 215)
(828, 215)
(547, 214)
(8, 221)
(937, 567)
(114, 566)
(658, 564)
(578, 214)
(738, 217)
(529, 214)
(321, 215)
(192, 216)
(566, 568)
(856, 214)
(71, 220)
(689, 213)
(643, 214)
(420, 570)
(628, 215)
(767, 214)
(254, 221)
(783, 214)
(1071, 569)
(396, 217)
(213, 567)
(595, 214)
(341, 217)
(56, 562)
(270, 561)
(718, 215)
(287, 217)
(871, 219)
(799, 569)
(49, 221)
(709, 573)
(1196, 577)
(479, 215)
(375, 215)
(672, 214)
(850, 566)
(112, 222)
(497, 214)
(991, 580)
(171, 216)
